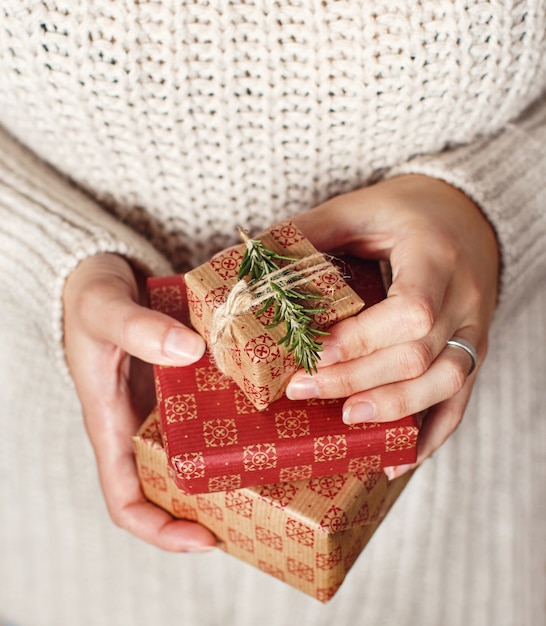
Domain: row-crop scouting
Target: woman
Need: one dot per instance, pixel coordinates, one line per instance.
(136, 137)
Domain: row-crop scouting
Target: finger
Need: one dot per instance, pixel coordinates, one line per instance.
(158, 528)
(439, 424)
(346, 378)
(130, 510)
(410, 311)
(444, 379)
(111, 423)
(459, 343)
(113, 316)
(355, 224)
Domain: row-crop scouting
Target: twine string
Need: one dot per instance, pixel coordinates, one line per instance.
(244, 297)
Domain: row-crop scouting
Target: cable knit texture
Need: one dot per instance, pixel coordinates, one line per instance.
(152, 128)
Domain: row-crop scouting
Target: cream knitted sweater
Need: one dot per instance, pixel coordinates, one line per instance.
(152, 128)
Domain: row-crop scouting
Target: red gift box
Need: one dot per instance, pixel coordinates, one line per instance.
(216, 440)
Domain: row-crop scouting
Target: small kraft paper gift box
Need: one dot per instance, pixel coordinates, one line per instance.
(216, 440)
(252, 355)
(306, 533)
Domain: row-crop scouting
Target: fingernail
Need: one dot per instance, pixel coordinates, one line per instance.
(390, 472)
(302, 388)
(329, 356)
(200, 549)
(396, 470)
(183, 346)
(359, 412)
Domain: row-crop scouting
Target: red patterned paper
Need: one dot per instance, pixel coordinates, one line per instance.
(217, 441)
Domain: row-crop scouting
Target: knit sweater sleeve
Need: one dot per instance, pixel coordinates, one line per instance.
(506, 176)
(47, 226)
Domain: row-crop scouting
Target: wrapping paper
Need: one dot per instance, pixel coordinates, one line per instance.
(254, 360)
(306, 533)
(216, 440)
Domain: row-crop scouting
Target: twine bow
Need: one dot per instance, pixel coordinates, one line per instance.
(245, 297)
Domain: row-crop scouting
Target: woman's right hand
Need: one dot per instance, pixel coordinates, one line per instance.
(394, 359)
(104, 327)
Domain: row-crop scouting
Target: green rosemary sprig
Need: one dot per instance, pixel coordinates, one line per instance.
(288, 303)
(258, 261)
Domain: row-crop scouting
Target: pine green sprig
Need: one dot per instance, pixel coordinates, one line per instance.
(288, 303)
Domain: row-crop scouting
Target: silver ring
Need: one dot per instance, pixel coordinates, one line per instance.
(459, 342)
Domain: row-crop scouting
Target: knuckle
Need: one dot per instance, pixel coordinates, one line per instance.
(358, 340)
(129, 328)
(87, 301)
(345, 351)
(94, 302)
(445, 250)
(400, 405)
(419, 316)
(118, 517)
(338, 385)
(474, 294)
(455, 379)
(416, 359)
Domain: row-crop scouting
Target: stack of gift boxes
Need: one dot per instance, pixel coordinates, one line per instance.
(284, 485)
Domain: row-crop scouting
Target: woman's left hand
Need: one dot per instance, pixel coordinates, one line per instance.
(392, 359)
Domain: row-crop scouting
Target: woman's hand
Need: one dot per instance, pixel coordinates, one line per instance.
(392, 359)
(104, 326)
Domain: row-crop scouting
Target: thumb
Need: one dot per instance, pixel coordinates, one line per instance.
(347, 223)
(148, 335)
(326, 225)
(102, 293)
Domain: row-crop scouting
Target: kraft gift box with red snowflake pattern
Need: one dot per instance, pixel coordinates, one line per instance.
(254, 359)
(306, 533)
